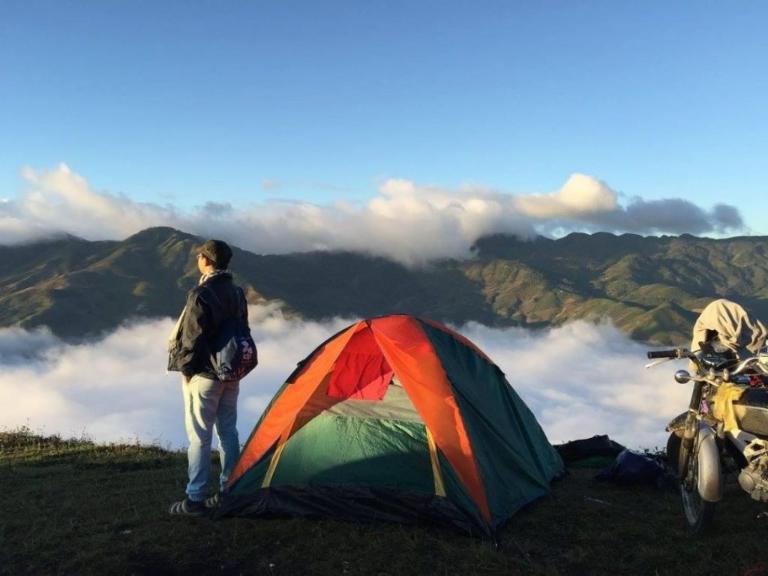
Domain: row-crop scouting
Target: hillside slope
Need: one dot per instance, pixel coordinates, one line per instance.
(650, 287)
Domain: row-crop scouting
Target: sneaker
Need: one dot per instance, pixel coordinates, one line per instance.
(214, 501)
(188, 507)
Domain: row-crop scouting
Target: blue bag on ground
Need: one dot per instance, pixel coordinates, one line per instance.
(632, 468)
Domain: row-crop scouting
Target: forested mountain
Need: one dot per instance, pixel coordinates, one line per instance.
(650, 287)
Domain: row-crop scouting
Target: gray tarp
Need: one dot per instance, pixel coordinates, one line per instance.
(736, 328)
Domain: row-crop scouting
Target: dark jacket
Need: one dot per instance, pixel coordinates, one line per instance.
(217, 299)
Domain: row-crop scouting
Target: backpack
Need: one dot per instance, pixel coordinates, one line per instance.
(233, 351)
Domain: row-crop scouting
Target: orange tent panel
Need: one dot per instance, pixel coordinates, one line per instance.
(411, 356)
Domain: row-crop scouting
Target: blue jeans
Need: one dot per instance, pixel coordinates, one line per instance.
(208, 404)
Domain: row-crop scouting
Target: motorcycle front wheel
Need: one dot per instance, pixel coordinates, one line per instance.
(698, 512)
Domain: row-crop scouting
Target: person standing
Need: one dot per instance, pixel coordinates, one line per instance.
(209, 403)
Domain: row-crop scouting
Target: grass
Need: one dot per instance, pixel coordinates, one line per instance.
(74, 507)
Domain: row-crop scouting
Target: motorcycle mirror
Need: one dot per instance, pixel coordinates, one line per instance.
(682, 377)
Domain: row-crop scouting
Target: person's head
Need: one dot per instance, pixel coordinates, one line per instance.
(213, 255)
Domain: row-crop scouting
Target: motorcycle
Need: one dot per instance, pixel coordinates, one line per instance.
(725, 428)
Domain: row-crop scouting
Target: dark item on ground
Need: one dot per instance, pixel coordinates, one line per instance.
(632, 469)
(589, 449)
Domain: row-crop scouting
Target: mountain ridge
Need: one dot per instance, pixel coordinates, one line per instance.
(650, 287)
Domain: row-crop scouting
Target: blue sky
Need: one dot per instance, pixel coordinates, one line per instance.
(184, 103)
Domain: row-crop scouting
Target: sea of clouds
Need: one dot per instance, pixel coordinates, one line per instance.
(580, 379)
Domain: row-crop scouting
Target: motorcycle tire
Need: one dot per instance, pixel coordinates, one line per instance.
(698, 512)
(673, 452)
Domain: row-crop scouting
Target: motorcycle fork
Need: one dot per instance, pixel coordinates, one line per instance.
(690, 431)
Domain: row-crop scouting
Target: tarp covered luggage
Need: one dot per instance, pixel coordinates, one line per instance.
(732, 326)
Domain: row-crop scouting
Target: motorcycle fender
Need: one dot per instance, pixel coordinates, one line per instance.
(710, 482)
(677, 424)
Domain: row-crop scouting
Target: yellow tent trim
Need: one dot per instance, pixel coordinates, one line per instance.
(436, 473)
(275, 458)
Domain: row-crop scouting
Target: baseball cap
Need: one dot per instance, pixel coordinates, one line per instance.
(217, 251)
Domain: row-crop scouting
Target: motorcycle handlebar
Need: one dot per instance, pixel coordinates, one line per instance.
(663, 354)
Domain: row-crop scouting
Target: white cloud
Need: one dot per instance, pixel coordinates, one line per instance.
(579, 380)
(20, 346)
(579, 198)
(405, 221)
(62, 200)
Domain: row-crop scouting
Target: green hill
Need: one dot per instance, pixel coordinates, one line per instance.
(650, 287)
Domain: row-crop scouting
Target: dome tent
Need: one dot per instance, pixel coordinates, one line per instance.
(400, 419)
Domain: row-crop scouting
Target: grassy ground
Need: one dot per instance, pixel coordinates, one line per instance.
(72, 507)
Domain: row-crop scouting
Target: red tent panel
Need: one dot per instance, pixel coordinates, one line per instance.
(361, 371)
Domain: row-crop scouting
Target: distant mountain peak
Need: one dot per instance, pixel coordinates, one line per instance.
(159, 234)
